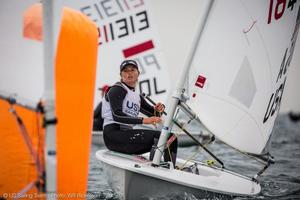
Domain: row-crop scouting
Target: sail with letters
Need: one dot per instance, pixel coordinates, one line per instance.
(127, 30)
(237, 69)
(240, 69)
(40, 85)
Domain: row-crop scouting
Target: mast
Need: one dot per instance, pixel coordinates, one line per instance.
(50, 34)
(179, 91)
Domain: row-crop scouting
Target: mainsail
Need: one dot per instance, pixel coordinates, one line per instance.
(240, 67)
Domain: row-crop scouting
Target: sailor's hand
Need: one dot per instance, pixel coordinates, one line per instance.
(159, 107)
(152, 120)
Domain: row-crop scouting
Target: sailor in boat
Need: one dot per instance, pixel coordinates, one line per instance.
(98, 120)
(120, 110)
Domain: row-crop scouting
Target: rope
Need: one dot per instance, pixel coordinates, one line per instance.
(170, 154)
(189, 159)
(209, 162)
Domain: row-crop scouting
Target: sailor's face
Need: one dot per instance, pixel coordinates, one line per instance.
(130, 75)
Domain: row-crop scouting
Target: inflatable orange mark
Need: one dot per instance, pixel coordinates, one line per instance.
(75, 81)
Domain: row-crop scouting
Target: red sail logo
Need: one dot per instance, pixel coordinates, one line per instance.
(200, 81)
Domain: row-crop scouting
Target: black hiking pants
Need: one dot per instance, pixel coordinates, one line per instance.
(134, 141)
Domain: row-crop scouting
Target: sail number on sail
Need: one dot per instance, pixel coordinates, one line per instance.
(119, 27)
(279, 8)
(275, 99)
(150, 84)
(125, 31)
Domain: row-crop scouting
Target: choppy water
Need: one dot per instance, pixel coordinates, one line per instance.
(281, 180)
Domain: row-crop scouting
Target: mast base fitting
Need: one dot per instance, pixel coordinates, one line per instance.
(154, 165)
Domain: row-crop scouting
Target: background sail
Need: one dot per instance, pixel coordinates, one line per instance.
(239, 71)
(127, 31)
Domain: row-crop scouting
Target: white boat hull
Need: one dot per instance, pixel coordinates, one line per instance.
(135, 178)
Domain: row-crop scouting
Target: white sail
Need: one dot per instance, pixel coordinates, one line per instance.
(239, 71)
(127, 31)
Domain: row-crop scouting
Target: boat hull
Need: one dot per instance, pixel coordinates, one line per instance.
(133, 177)
(131, 185)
